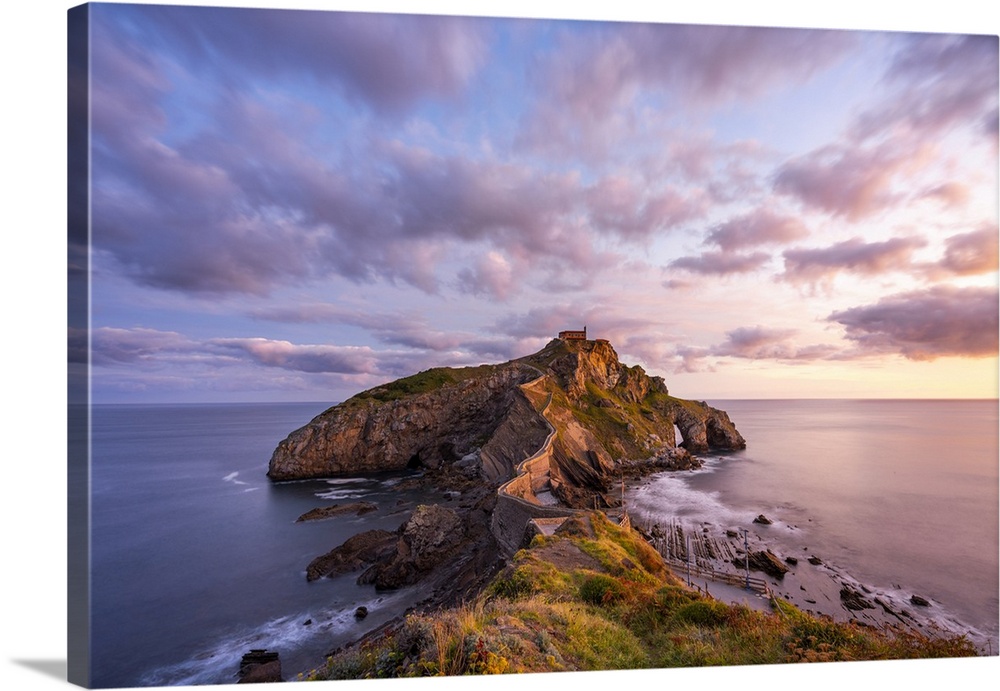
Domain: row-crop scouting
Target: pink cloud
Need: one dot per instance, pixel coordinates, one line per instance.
(759, 343)
(972, 253)
(760, 227)
(721, 263)
(849, 181)
(854, 255)
(942, 321)
(937, 82)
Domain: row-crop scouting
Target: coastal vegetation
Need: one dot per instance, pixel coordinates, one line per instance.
(597, 596)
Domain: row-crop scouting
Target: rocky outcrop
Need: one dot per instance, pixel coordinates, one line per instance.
(425, 541)
(358, 508)
(481, 423)
(356, 553)
(260, 666)
(374, 432)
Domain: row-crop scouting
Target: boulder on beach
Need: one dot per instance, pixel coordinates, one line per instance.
(765, 561)
(260, 666)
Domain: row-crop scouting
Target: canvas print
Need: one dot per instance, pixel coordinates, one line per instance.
(408, 345)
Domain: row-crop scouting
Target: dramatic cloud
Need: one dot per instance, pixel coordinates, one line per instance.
(307, 201)
(849, 182)
(936, 82)
(721, 263)
(305, 358)
(391, 61)
(972, 253)
(938, 322)
(111, 346)
(949, 193)
(759, 343)
(622, 207)
(593, 78)
(854, 255)
(760, 227)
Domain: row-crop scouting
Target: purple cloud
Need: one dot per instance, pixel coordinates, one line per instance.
(936, 82)
(759, 343)
(950, 194)
(972, 253)
(588, 80)
(854, 255)
(304, 358)
(389, 61)
(621, 207)
(942, 321)
(760, 227)
(721, 263)
(849, 181)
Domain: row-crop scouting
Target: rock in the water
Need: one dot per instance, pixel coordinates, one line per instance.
(361, 612)
(260, 666)
(853, 600)
(919, 601)
(357, 552)
(358, 508)
(791, 560)
(426, 540)
(815, 561)
(763, 520)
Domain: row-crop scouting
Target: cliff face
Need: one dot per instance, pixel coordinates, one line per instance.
(402, 425)
(483, 422)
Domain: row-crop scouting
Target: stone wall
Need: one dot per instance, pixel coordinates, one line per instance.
(516, 501)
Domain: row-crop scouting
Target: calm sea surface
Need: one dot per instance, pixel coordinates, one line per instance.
(896, 493)
(197, 557)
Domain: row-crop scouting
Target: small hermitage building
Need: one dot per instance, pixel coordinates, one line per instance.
(574, 335)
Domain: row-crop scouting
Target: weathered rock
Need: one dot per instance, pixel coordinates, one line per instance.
(374, 431)
(354, 554)
(426, 540)
(763, 520)
(359, 508)
(766, 561)
(919, 601)
(853, 600)
(815, 561)
(260, 666)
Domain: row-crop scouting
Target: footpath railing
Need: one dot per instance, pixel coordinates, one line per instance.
(683, 568)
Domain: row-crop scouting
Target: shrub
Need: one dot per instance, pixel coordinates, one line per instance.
(702, 613)
(601, 589)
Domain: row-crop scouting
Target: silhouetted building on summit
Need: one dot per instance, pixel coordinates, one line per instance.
(574, 335)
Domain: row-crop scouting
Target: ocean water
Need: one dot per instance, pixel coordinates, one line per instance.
(901, 495)
(196, 556)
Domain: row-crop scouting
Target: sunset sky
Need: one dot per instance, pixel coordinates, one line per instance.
(298, 205)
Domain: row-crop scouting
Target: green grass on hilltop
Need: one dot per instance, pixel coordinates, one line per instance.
(422, 382)
(598, 597)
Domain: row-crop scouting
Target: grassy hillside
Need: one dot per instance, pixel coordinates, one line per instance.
(597, 597)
